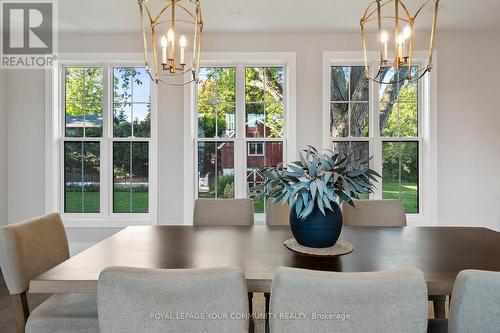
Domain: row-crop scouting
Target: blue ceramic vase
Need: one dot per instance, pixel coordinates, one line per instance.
(317, 230)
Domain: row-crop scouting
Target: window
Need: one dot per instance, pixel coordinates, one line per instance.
(255, 149)
(240, 127)
(107, 140)
(380, 125)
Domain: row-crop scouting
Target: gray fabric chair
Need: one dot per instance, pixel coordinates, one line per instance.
(475, 302)
(384, 213)
(350, 302)
(374, 213)
(28, 249)
(138, 300)
(223, 212)
(277, 214)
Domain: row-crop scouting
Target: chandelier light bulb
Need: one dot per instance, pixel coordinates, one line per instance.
(183, 41)
(407, 32)
(170, 35)
(164, 41)
(384, 36)
(400, 40)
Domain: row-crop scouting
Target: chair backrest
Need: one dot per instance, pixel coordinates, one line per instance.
(185, 300)
(277, 214)
(30, 248)
(223, 212)
(374, 213)
(475, 302)
(350, 302)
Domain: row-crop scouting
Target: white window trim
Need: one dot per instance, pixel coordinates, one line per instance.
(428, 185)
(54, 138)
(231, 59)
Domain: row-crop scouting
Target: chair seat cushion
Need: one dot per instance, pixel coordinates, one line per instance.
(65, 313)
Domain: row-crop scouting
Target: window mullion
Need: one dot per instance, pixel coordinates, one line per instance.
(105, 152)
(376, 146)
(240, 142)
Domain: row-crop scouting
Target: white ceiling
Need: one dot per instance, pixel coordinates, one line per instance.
(248, 16)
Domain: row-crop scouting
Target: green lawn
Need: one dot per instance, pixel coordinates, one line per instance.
(121, 202)
(409, 194)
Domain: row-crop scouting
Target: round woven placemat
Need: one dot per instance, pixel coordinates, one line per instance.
(340, 248)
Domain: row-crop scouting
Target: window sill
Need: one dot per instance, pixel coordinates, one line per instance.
(115, 222)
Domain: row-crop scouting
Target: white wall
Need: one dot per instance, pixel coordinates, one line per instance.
(468, 129)
(26, 140)
(3, 147)
(468, 116)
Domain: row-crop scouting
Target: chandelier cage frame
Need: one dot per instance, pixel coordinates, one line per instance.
(161, 72)
(374, 13)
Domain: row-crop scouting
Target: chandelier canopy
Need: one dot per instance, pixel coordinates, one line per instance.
(395, 26)
(166, 20)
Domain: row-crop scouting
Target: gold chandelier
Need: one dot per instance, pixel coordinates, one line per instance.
(169, 64)
(402, 40)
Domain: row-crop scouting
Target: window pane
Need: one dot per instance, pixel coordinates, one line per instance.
(358, 84)
(207, 122)
(272, 156)
(83, 101)
(400, 173)
(74, 83)
(140, 177)
(398, 104)
(131, 99)
(254, 84)
(274, 120)
(75, 120)
(359, 152)
(215, 170)
(122, 84)
(359, 119)
(122, 120)
(226, 120)
(339, 116)
(81, 177)
(93, 120)
(274, 84)
(340, 84)
(226, 86)
(256, 119)
(93, 85)
(130, 177)
(141, 86)
(142, 120)
(207, 88)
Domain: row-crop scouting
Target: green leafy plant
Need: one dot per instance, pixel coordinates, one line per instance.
(317, 180)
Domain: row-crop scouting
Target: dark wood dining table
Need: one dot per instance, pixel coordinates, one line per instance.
(440, 252)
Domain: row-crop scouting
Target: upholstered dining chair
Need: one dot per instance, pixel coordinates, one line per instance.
(348, 302)
(384, 213)
(277, 214)
(223, 212)
(28, 249)
(134, 300)
(475, 302)
(374, 213)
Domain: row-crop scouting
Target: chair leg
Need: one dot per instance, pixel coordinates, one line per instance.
(22, 311)
(267, 296)
(250, 303)
(439, 304)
